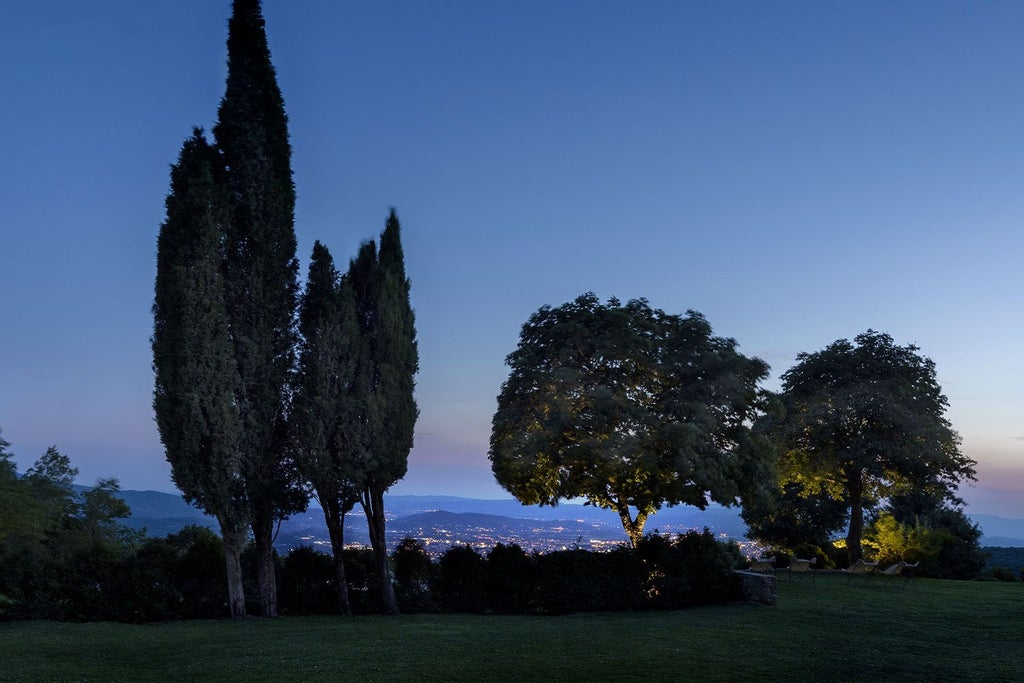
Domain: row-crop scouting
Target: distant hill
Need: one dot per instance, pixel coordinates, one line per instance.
(163, 513)
(461, 520)
(1001, 542)
(1000, 531)
(451, 518)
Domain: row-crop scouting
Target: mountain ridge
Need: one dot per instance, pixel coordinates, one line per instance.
(161, 513)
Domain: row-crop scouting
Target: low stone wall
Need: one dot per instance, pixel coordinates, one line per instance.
(758, 588)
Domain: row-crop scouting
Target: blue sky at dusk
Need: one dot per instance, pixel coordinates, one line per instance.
(798, 172)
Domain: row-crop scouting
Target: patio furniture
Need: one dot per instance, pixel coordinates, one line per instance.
(801, 567)
(861, 568)
(900, 570)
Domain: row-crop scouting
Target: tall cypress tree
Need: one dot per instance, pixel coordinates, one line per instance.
(326, 409)
(260, 274)
(390, 360)
(193, 357)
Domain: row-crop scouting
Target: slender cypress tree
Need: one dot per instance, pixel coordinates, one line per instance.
(193, 357)
(260, 275)
(326, 409)
(390, 360)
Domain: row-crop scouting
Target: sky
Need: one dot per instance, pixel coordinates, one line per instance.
(799, 172)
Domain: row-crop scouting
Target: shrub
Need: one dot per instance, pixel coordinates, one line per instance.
(306, 583)
(461, 580)
(363, 581)
(1000, 574)
(511, 575)
(707, 569)
(580, 581)
(414, 577)
(201, 575)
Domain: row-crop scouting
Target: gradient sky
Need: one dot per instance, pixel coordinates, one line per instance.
(799, 172)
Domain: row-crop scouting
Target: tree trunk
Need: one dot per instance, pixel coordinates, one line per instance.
(263, 535)
(234, 542)
(336, 527)
(856, 532)
(373, 505)
(634, 527)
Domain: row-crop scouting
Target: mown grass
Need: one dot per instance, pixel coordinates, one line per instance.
(826, 630)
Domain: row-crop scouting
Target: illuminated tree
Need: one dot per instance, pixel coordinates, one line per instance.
(865, 420)
(630, 408)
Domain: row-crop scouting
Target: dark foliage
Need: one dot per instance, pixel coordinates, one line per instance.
(1011, 560)
(461, 580)
(306, 583)
(414, 577)
(363, 581)
(580, 581)
(511, 577)
(794, 518)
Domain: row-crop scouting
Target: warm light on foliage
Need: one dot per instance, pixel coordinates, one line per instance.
(887, 540)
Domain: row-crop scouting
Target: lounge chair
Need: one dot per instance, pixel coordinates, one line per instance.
(861, 568)
(762, 565)
(900, 570)
(802, 567)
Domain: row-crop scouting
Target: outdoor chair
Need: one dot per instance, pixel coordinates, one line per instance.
(762, 565)
(861, 568)
(801, 567)
(891, 571)
(900, 570)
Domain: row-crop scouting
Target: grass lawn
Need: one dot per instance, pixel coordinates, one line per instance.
(821, 631)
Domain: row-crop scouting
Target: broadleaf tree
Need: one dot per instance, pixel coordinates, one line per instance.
(631, 409)
(20, 513)
(794, 519)
(326, 407)
(867, 420)
(193, 357)
(261, 273)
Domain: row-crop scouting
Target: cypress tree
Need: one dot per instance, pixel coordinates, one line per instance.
(193, 358)
(390, 361)
(325, 410)
(260, 275)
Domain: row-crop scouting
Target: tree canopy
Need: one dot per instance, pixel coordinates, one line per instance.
(793, 519)
(866, 420)
(630, 408)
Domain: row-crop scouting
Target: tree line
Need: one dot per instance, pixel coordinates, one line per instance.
(65, 556)
(264, 394)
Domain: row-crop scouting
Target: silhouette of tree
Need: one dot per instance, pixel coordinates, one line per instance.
(326, 408)
(261, 279)
(193, 357)
(387, 367)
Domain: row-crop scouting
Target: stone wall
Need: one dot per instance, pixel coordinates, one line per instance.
(759, 589)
